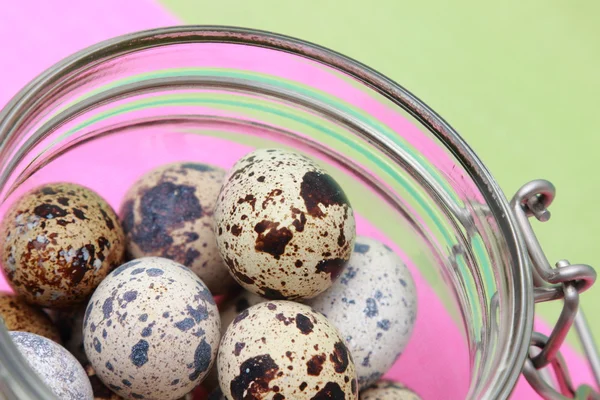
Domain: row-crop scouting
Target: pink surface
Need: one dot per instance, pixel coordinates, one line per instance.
(56, 29)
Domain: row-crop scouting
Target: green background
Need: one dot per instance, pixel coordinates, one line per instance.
(518, 79)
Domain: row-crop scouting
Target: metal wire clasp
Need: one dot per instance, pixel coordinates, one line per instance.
(566, 281)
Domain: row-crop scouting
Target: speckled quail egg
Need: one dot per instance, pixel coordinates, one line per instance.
(168, 213)
(20, 316)
(284, 226)
(58, 242)
(151, 330)
(388, 390)
(284, 350)
(55, 366)
(228, 311)
(70, 327)
(374, 305)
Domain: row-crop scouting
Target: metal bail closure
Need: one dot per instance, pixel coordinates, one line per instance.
(566, 282)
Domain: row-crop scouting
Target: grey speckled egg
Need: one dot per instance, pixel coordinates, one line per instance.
(58, 242)
(57, 368)
(284, 227)
(388, 390)
(374, 305)
(168, 213)
(284, 350)
(151, 330)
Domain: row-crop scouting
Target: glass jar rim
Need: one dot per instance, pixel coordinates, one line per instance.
(501, 383)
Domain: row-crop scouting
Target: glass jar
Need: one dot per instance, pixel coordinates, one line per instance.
(107, 114)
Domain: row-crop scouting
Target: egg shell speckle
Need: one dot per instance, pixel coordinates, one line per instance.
(284, 226)
(56, 367)
(284, 350)
(151, 330)
(58, 242)
(168, 213)
(20, 316)
(374, 306)
(388, 390)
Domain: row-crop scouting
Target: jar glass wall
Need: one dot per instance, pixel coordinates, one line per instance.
(106, 115)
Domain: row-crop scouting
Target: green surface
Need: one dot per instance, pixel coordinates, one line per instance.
(518, 80)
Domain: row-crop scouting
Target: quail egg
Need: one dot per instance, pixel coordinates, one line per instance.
(374, 306)
(388, 390)
(168, 213)
(284, 226)
(151, 330)
(58, 242)
(56, 367)
(20, 316)
(284, 350)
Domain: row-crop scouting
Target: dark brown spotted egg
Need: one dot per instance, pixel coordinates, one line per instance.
(168, 213)
(388, 390)
(284, 226)
(58, 242)
(374, 306)
(20, 316)
(151, 330)
(284, 350)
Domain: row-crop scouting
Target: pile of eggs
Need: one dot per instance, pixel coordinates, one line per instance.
(110, 307)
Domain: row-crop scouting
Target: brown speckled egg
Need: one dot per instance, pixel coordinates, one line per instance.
(284, 227)
(20, 316)
(388, 390)
(58, 242)
(151, 330)
(284, 350)
(168, 213)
